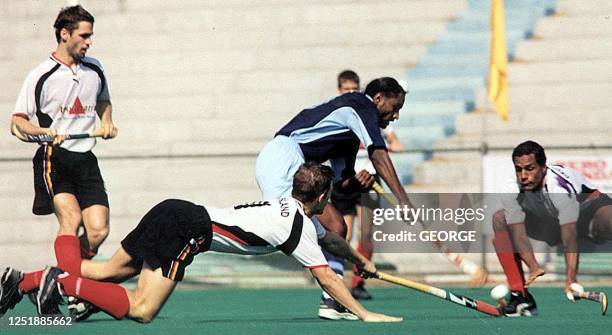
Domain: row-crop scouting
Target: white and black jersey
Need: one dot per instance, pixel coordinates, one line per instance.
(264, 227)
(559, 197)
(64, 98)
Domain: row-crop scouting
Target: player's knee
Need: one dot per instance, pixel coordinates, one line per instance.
(140, 311)
(97, 234)
(70, 220)
(499, 221)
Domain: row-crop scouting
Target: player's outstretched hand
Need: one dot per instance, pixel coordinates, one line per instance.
(377, 317)
(533, 275)
(572, 290)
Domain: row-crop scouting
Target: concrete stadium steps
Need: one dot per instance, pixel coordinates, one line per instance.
(404, 164)
(232, 74)
(463, 169)
(26, 256)
(445, 119)
(551, 137)
(458, 187)
(130, 78)
(578, 7)
(470, 23)
(179, 137)
(432, 83)
(547, 72)
(306, 12)
(19, 10)
(560, 26)
(149, 175)
(129, 148)
(108, 44)
(423, 137)
(530, 121)
(565, 49)
(474, 42)
(208, 18)
(548, 97)
(446, 70)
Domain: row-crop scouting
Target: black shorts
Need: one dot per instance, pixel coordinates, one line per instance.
(588, 208)
(57, 170)
(169, 236)
(345, 203)
(549, 230)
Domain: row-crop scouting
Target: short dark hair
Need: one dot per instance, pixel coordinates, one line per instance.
(347, 75)
(311, 180)
(69, 18)
(388, 86)
(530, 147)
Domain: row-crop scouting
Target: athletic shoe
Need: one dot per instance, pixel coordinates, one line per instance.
(359, 292)
(9, 289)
(49, 297)
(32, 296)
(520, 305)
(331, 310)
(79, 309)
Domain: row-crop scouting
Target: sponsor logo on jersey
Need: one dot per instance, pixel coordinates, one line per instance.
(77, 109)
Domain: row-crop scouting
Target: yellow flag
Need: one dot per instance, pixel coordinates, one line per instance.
(498, 64)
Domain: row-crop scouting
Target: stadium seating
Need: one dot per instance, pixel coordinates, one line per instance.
(455, 69)
(559, 84)
(199, 86)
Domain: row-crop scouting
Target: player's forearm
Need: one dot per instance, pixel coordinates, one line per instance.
(26, 127)
(569, 236)
(105, 111)
(571, 267)
(331, 284)
(523, 246)
(384, 167)
(338, 246)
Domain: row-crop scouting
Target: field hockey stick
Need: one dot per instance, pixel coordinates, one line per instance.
(464, 301)
(599, 297)
(48, 138)
(478, 273)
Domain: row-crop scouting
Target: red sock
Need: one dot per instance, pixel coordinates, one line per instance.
(68, 254)
(30, 282)
(109, 297)
(366, 249)
(510, 261)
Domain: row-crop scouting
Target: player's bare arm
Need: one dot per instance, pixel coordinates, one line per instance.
(332, 284)
(569, 237)
(24, 126)
(338, 246)
(28, 128)
(523, 245)
(384, 167)
(105, 111)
